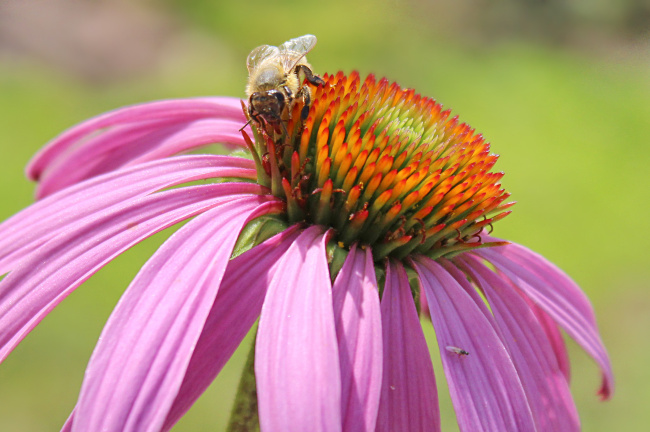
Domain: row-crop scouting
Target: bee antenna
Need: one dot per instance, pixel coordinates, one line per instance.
(247, 123)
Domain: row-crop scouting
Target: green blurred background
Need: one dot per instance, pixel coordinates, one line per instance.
(561, 89)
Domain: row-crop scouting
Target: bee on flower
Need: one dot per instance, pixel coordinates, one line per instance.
(274, 81)
(375, 198)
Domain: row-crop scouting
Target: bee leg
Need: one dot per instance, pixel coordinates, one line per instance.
(310, 76)
(289, 102)
(306, 97)
(259, 120)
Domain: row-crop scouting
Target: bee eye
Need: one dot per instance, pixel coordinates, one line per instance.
(279, 96)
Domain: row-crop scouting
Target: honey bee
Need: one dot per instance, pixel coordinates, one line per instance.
(461, 352)
(274, 80)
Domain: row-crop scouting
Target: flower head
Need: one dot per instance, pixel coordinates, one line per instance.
(333, 233)
(384, 167)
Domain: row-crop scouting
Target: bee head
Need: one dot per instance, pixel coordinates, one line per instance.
(269, 104)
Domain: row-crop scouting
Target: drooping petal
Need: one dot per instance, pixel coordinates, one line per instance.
(357, 317)
(558, 296)
(52, 272)
(67, 426)
(548, 391)
(555, 338)
(133, 144)
(484, 386)
(296, 359)
(158, 113)
(237, 306)
(409, 399)
(140, 360)
(23, 233)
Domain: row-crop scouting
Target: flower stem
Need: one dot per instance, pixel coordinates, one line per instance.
(244, 412)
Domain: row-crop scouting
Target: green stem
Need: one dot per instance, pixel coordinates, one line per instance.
(244, 413)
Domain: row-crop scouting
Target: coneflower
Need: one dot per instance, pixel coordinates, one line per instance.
(332, 232)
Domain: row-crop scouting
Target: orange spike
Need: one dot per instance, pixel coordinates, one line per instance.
(443, 211)
(398, 189)
(388, 180)
(501, 215)
(384, 164)
(304, 142)
(475, 215)
(393, 212)
(338, 135)
(353, 198)
(324, 172)
(426, 187)
(295, 169)
(435, 229)
(344, 167)
(322, 154)
(367, 172)
(361, 160)
(372, 186)
(340, 154)
(411, 198)
(423, 212)
(350, 178)
(322, 138)
(464, 207)
(358, 219)
(373, 156)
(381, 200)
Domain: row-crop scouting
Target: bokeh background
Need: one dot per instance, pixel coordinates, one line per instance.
(561, 89)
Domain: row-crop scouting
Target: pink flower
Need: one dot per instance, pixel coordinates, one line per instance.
(330, 235)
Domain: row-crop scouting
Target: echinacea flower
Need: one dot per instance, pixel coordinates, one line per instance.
(333, 233)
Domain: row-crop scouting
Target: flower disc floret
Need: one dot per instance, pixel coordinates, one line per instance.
(384, 167)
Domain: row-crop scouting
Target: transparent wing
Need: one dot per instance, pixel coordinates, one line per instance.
(259, 54)
(302, 44)
(292, 51)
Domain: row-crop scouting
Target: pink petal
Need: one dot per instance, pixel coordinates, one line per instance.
(357, 317)
(297, 359)
(169, 111)
(67, 426)
(532, 353)
(140, 360)
(235, 310)
(558, 296)
(555, 338)
(484, 385)
(49, 274)
(24, 232)
(132, 144)
(550, 273)
(195, 135)
(237, 306)
(409, 399)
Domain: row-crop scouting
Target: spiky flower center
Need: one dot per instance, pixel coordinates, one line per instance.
(384, 167)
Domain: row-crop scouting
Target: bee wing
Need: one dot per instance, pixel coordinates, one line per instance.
(302, 44)
(292, 51)
(259, 54)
